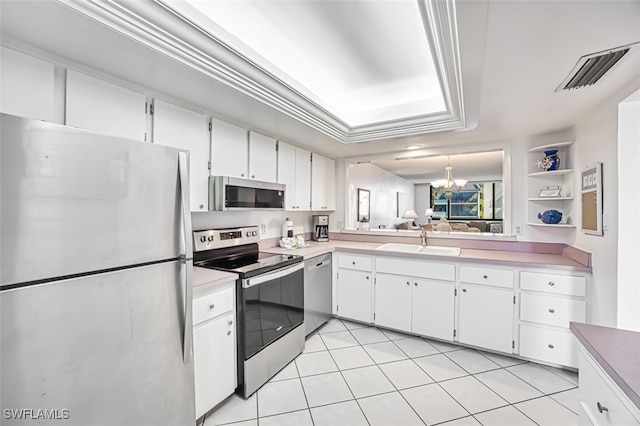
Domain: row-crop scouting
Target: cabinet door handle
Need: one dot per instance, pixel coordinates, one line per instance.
(408, 283)
(485, 277)
(241, 174)
(415, 284)
(211, 306)
(230, 322)
(550, 346)
(552, 310)
(601, 408)
(353, 263)
(367, 277)
(464, 290)
(551, 283)
(229, 333)
(201, 206)
(253, 176)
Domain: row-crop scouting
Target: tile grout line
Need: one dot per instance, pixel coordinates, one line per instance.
(377, 364)
(345, 380)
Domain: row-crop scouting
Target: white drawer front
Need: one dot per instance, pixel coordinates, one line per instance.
(354, 261)
(486, 276)
(554, 346)
(596, 391)
(551, 310)
(552, 283)
(420, 269)
(213, 304)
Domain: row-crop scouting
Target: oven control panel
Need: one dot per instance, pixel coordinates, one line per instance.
(228, 237)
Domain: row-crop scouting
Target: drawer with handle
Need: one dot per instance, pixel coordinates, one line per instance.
(602, 401)
(551, 310)
(354, 261)
(213, 304)
(554, 346)
(553, 283)
(486, 276)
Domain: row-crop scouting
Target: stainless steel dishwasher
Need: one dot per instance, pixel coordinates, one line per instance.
(317, 292)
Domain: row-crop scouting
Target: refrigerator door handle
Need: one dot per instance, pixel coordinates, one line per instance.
(183, 169)
(187, 257)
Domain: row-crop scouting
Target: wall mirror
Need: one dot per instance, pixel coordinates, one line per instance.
(364, 204)
(482, 202)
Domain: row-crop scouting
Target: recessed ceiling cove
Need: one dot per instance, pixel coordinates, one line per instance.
(354, 70)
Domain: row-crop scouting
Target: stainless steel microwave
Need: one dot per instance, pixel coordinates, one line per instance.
(230, 193)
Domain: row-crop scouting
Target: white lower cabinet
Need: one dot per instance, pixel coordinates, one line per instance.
(214, 347)
(602, 402)
(393, 301)
(432, 312)
(548, 302)
(354, 287)
(486, 317)
(415, 296)
(473, 304)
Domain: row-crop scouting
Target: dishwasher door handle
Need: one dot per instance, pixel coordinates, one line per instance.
(318, 266)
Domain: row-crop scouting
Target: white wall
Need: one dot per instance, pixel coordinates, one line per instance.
(272, 219)
(628, 315)
(597, 141)
(422, 200)
(384, 187)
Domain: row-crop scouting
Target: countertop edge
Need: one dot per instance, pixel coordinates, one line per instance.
(579, 329)
(211, 277)
(466, 255)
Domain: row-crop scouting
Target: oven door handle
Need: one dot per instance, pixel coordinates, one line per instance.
(250, 282)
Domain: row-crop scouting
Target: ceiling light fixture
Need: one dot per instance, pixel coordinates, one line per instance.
(449, 183)
(413, 146)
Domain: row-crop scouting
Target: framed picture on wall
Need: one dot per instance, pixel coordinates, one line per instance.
(591, 200)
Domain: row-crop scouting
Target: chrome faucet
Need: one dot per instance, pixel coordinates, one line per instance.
(423, 238)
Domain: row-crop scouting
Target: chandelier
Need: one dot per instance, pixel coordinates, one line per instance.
(449, 183)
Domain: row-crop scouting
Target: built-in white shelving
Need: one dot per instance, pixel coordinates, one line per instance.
(538, 179)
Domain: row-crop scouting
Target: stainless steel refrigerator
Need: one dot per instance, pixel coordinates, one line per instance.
(95, 275)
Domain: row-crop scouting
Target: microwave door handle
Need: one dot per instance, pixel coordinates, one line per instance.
(250, 282)
(187, 257)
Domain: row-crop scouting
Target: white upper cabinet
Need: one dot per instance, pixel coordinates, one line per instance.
(229, 150)
(181, 128)
(323, 183)
(262, 157)
(294, 170)
(27, 85)
(103, 107)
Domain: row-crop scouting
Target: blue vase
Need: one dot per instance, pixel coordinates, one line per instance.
(552, 154)
(550, 216)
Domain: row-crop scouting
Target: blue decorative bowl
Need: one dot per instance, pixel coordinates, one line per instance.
(550, 216)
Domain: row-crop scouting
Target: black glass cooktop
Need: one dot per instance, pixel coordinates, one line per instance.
(246, 263)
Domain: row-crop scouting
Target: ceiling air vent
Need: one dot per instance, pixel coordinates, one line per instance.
(590, 68)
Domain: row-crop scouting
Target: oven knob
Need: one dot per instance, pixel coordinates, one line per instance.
(203, 239)
(254, 233)
(248, 233)
(210, 238)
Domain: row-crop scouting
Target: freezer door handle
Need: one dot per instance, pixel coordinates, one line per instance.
(187, 257)
(187, 338)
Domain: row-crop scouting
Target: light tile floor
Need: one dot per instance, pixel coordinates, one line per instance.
(353, 374)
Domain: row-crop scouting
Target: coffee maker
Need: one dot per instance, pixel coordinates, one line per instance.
(321, 227)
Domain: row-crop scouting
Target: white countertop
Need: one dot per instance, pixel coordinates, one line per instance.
(549, 261)
(211, 277)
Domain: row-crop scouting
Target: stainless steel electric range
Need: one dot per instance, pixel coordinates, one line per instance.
(270, 301)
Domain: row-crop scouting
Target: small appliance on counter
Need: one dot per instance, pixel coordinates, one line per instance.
(287, 228)
(321, 227)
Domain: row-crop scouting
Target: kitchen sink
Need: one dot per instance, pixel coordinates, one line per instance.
(416, 248)
(408, 248)
(442, 251)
